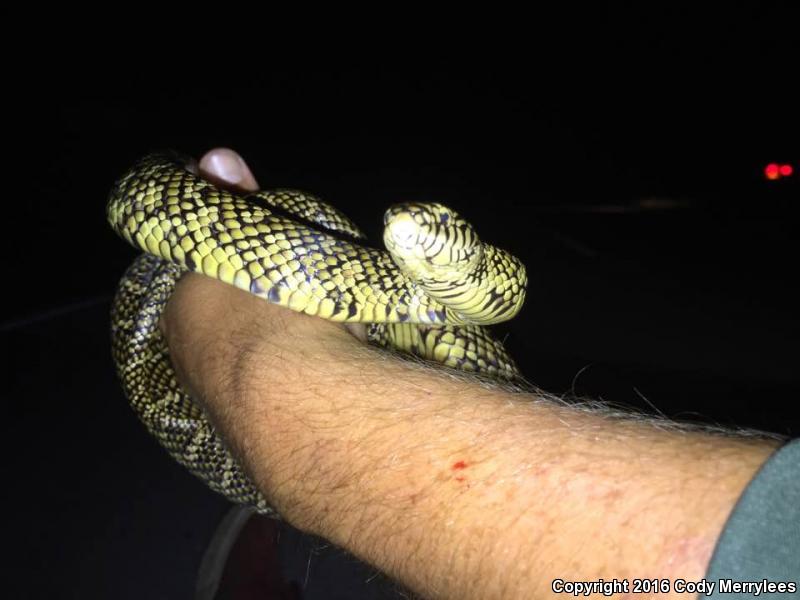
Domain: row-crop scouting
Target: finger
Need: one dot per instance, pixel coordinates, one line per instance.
(226, 167)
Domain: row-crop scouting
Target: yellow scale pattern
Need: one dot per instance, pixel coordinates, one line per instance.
(165, 210)
(294, 250)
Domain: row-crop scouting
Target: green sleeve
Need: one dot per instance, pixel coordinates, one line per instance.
(761, 540)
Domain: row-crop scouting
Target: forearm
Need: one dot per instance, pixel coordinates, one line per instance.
(455, 489)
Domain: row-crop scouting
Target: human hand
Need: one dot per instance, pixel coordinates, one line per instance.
(190, 324)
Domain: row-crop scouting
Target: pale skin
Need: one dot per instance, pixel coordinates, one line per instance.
(453, 488)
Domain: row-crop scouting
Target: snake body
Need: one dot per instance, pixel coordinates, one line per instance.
(430, 294)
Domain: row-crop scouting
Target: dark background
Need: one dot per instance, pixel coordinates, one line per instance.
(620, 155)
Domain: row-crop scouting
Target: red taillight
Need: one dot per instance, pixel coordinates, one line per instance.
(775, 171)
(772, 171)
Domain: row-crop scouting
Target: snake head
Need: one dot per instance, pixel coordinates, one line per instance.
(430, 241)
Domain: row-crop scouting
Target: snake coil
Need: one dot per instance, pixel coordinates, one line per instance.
(430, 294)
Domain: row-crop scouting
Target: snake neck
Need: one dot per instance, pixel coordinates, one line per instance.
(492, 292)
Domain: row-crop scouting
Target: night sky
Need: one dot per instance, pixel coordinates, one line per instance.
(606, 110)
(620, 155)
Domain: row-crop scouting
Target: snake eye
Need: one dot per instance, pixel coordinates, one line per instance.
(444, 218)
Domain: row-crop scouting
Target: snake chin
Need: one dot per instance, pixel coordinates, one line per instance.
(401, 232)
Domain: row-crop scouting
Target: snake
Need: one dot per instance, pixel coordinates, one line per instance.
(431, 293)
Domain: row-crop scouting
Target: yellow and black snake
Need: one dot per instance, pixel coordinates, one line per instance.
(429, 294)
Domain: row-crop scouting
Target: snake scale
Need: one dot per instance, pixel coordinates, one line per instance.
(429, 294)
